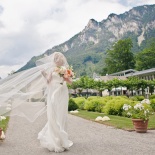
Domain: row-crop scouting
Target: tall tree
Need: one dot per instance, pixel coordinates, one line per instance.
(120, 57)
(146, 58)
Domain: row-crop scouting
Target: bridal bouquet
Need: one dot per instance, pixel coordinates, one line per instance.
(65, 72)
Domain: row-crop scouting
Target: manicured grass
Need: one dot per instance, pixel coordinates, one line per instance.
(4, 124)
(152, 122)
(115, 121)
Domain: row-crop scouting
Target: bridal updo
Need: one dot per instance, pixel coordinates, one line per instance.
(59, 59)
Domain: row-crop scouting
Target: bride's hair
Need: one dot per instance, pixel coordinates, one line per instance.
(59, 59)
(52, 60)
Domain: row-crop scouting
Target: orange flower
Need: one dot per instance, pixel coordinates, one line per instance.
(69, 72)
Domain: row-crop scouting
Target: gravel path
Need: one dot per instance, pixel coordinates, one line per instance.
(90, 138)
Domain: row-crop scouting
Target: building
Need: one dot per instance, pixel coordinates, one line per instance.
(123, 73)
(110, 77)
(148, 74)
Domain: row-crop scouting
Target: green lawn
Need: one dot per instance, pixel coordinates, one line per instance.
(4, 124)
(115, 121)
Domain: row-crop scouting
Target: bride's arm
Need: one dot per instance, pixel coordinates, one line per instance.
(44, 73)
(48, 78)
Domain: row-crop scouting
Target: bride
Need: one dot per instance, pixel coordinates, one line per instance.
(19, 92)
(54, 136)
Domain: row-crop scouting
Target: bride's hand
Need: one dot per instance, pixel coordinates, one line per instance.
(68, 80)
(43, 72)
(47, 77)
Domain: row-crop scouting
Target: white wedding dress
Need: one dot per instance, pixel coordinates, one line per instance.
(54, 136)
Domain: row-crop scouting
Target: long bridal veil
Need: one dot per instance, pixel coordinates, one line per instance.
(24, 93)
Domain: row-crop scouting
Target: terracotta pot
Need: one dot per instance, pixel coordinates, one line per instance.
(140, 125)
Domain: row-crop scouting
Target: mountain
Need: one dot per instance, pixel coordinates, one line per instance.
(86, 50)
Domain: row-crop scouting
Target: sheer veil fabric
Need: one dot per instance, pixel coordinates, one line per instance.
(40, 89)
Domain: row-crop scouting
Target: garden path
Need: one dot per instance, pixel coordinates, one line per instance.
(90, 138)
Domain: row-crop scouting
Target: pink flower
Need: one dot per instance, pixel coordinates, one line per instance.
(65, 72)
(68, 74)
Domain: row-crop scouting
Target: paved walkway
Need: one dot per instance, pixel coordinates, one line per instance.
(90, 138)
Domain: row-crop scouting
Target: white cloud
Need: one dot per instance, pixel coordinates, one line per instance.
(5, 70)
(133, 3)
(30, 27)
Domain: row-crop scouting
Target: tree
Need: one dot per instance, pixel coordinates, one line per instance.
(142, 84)
(151, 85)
(146, 58)
(80, 86)
(116, 83)
(109, 86)
(120, 57)
(12, 72)
(131, 84)
(87, 83)
(100, 86)
(73, 86)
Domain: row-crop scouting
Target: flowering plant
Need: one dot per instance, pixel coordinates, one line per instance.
(2, 135)
(140, 110)
(65, 72)
(2, 118)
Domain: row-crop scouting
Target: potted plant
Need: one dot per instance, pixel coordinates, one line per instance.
(2, 135)
(140, 114)
(0, 132)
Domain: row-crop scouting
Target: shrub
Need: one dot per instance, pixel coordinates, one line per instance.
(133, 98)
(90, 106)
(115, 106)
(152, 96)
(100, 103)
(80, 101)
(95, 104)
(93, 97)
(140, 98)
(152, 104)
(120, 97)
(72, 105)
(107, 98)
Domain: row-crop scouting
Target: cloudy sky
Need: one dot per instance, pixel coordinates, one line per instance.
(30, 27)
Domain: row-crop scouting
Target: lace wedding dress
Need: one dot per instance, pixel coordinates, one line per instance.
(54, 136)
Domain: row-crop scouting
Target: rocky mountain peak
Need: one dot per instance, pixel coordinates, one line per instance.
(86, 50)
(92, 24)
(111, 15)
